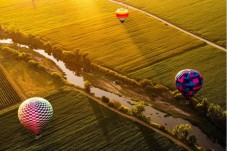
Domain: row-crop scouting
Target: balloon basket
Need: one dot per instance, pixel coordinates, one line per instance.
(186, 101)
(37, 136)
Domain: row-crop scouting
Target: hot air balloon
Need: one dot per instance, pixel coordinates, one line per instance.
(188, 82)
(34, 114)
(122, 14)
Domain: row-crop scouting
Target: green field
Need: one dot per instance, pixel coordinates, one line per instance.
(210, 63)
(79, 123)
(142, 47)
(206, 18)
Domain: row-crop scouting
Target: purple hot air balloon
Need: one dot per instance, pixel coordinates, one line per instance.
(34, 114)
(188, 82)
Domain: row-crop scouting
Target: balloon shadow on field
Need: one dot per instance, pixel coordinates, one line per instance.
(33, 4)
(138, 36)
(101, 118)
(147, 136)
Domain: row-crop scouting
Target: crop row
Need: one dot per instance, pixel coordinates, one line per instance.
(208, 19)
(8, 95)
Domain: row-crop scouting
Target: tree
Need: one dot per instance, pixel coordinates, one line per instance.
(87, 86)
(205, 103)
(48, 48)
(138, 109)
(105, 99)
(192, 140)
(201, 109)
(146, 84)
(216, 113)
(57, 52)
(182, 131)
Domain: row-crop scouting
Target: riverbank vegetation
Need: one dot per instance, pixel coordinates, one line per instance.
(180, 132)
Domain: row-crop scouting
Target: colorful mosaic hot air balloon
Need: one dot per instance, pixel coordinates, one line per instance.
(188, 82)
(122, 14)
(34, 114)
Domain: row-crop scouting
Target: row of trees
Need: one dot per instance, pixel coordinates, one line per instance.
(74, 60)
(34, 64)
(114, 74)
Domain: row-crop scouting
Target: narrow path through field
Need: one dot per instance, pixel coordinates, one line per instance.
(172, 25)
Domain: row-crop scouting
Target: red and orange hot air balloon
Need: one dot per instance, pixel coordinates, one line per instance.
(122, 14)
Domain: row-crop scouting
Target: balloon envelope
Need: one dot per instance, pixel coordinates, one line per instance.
(34, 114)
(188, 82)
(122, 14)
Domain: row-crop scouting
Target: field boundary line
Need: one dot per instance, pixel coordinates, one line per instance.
(172, 25)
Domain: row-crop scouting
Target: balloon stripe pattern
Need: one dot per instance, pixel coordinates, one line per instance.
(34, 114)
(122, 14)
(188, 82)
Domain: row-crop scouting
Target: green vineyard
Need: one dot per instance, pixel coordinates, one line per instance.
(8, 95)
(81, 124)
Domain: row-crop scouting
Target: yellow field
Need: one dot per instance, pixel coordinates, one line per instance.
(206, 18)
(141, 47)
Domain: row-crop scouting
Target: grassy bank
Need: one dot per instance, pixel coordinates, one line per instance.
(30, 80)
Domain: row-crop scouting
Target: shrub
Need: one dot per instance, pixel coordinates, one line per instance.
(182, 131)
(41, 66)
(216, 113)
(193, 102)
(56, 75)
(156, 125)
(124, 109)
(10, 50)
(145, 118)
(87, 86)
(33, 63)
(179, 97)
(146, 84)
(162, 91)
(159, 88)
(111, 103)
(117, 104)
(138, 109)
(114, 103)
(192, 140)
(105, 99)
(201, 109)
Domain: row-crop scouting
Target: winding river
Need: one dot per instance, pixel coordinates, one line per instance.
(155, 115)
